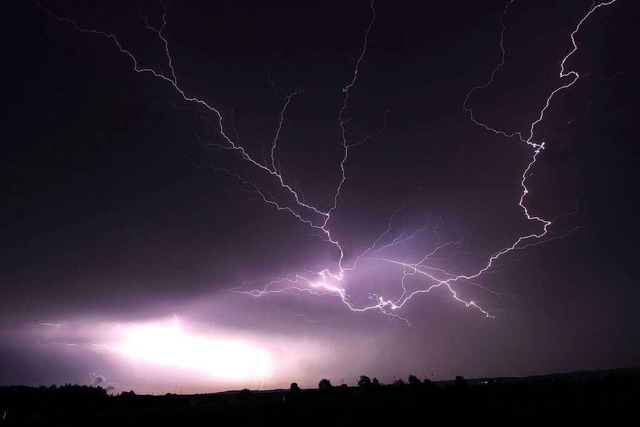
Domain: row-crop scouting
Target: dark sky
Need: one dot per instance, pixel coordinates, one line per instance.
(128, 225)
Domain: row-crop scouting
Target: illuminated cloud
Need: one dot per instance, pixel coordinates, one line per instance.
(96, 379)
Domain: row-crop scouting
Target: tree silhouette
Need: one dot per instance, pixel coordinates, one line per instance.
(414, 381)
(364, 381)
(294, 391)
(325, 384)
(375, 382)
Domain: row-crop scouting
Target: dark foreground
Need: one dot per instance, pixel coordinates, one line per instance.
(612, 396)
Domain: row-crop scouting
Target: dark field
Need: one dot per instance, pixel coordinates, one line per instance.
(610, 396)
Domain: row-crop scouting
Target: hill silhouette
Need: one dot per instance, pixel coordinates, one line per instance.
(572, 397)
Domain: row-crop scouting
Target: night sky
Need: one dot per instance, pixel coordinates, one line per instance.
(135, 238)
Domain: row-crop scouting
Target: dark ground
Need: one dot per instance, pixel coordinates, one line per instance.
(607, 396)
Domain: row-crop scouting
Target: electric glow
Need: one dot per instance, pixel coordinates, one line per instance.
(170, 346)
(329, 280)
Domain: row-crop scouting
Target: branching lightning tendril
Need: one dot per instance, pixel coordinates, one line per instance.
(331, 281)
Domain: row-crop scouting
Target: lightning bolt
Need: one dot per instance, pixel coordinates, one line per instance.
(331, 281)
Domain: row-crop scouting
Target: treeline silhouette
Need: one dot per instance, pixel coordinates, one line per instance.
(607, 397)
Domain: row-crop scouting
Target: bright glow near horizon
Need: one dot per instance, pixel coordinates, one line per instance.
(159, 354)
(171, 346)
